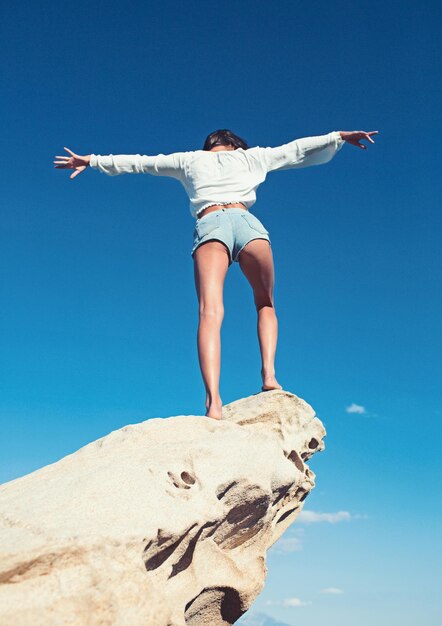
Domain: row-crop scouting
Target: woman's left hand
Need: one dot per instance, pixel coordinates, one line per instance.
(354, 137)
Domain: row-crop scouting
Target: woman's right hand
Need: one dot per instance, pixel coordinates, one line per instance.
(354, 137)
(74, 162)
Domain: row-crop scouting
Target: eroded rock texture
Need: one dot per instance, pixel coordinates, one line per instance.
(163, 523)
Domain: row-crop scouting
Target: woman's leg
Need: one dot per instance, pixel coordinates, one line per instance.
(256, 262)
(211, 262)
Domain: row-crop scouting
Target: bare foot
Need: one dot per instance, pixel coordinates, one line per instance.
(269, 383)
(214, 409)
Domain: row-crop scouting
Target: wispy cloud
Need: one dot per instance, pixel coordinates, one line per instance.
(289, 542)
(356, 408)
(312, 517)
(288, 602)
(335, 591)
(294, 602)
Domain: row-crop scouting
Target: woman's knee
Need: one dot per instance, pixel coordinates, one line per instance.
(211, 312)
(263, 299)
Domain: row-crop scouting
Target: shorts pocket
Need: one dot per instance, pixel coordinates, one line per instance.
(206, 225)
(254, 223)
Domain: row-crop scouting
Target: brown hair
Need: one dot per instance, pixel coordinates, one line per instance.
(224, 138)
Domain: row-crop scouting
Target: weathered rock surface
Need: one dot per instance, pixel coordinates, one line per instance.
(163, 523)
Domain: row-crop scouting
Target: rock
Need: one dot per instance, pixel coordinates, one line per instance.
(162, 523)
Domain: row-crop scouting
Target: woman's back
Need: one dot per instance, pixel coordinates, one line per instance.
(227, 175)
(224, 176)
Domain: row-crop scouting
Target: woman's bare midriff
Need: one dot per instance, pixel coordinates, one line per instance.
(217, 207)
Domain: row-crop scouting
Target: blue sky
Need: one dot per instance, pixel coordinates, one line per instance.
(98, 310)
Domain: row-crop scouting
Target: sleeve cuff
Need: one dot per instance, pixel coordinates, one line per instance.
(93, 160)
(338, 139)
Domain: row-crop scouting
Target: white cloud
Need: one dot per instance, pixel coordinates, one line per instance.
(356, 408)
(311, 517)
(294, 602)
(333, 591)
(288, 602)
(288, 544)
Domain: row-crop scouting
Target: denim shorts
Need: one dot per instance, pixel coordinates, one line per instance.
(234, 227)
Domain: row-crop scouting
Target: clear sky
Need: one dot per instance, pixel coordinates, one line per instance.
(98, 311)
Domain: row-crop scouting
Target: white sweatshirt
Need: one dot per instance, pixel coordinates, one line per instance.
(227, 176)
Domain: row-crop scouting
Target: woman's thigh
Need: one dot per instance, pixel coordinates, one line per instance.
(211, 262)
(256, 262)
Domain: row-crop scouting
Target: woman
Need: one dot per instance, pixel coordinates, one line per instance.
(221, 181)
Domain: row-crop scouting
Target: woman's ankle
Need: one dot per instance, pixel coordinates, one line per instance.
(268, 372)
(214, 409)
(269, 380)
(213, 400)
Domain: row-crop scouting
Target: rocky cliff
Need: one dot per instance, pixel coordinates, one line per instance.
(162, 523)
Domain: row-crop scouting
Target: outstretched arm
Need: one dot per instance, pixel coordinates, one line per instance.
(112, 165)
(311, 150)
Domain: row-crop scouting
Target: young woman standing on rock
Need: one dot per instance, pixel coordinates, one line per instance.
(221, 181)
